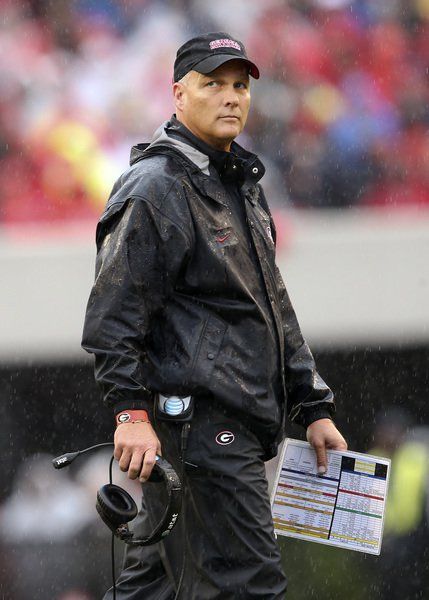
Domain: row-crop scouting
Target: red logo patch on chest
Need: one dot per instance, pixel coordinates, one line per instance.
(222, 237)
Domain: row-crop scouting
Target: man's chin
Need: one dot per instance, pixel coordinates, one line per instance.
(228, 130)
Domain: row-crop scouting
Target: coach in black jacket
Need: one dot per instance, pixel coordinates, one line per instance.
(188, 301)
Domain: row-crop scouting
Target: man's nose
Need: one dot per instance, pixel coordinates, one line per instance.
(231, 97)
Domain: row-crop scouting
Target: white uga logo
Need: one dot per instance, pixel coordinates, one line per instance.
(224, 438)
(124, 418)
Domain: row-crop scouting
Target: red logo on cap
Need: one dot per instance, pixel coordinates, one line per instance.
(224, 43)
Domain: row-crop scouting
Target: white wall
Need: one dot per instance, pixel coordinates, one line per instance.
(359, 277)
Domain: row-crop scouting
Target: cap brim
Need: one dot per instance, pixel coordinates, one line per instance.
(207, 65)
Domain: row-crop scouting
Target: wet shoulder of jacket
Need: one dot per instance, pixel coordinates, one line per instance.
(151, 178)
(155, 181)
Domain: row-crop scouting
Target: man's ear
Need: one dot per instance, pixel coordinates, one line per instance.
(178, 93)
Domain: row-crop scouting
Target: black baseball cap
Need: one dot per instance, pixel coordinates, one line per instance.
(207, 52)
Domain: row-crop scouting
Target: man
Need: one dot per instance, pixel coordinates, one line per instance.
(188, 302)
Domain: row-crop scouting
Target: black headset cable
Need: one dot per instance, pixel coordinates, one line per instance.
(183, 446)
(112, 544)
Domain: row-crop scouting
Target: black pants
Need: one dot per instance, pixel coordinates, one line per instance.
(224, 539)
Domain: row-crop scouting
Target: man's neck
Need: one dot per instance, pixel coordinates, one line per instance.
(216, 144)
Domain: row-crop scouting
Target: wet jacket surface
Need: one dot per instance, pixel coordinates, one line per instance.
(188, 300)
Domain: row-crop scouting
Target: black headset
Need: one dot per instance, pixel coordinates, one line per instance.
(117, 508)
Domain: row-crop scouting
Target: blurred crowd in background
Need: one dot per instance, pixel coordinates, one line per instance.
(340, 116)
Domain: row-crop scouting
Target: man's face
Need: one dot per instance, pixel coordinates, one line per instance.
(215, 106)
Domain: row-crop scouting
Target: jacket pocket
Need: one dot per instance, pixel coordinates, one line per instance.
(208, 350)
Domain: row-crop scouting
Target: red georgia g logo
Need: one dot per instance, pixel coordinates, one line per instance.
(224, 438)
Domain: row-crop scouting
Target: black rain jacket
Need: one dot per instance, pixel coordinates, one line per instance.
(177, 305)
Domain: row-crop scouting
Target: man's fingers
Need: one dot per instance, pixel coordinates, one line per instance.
(323, 434)
(135, 464)
(117, 452)
(339, 445)
(136, 447)
(149, 461)
(337, 442)
(124, 460)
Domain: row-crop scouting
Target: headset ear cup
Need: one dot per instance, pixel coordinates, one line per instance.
(115, 505)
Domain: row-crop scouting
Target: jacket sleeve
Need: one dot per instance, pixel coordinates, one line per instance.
(140, 252)
(308, 396)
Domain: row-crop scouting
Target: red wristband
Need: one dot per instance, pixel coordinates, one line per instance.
(132, 416)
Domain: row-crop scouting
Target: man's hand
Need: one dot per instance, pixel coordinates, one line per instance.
(136, 447)
(322, 435)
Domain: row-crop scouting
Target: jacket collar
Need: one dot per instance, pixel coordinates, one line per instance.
(166, 141)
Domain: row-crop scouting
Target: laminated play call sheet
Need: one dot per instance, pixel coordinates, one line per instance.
(345, 507)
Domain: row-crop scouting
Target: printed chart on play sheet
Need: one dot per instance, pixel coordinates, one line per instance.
(345, 507)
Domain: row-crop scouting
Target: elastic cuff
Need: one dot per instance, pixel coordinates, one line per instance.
(308, 417)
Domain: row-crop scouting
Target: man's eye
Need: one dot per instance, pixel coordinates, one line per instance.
(211, 83)
(241, 85)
